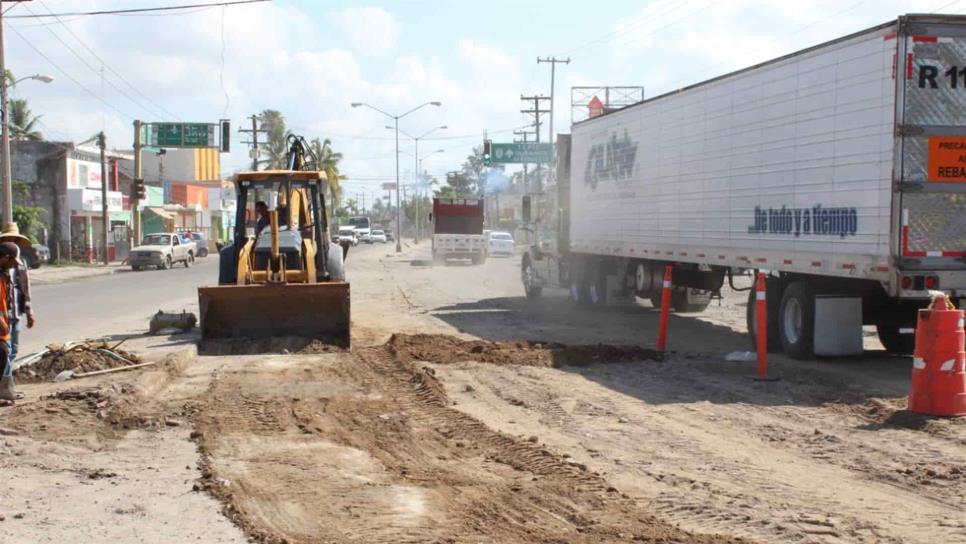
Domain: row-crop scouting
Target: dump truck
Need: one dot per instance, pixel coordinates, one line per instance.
(839, 170)
(284, 277)
(458, 229)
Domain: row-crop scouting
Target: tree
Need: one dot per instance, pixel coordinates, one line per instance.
(446, 191)
(352, 205)
(23, 122)
(30, 219)
(329, 163)
(276, 149)
(409, 209)
(472, 171)
(457, 185)
(379, 213)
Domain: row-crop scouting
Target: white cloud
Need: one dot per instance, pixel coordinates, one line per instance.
(371, 31)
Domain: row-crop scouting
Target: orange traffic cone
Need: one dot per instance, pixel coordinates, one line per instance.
(938, 375)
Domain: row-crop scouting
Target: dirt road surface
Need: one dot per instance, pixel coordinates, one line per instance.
(466, 413)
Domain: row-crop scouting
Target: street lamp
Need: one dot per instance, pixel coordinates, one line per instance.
(396, 119)
(416, 176)
(7, 173)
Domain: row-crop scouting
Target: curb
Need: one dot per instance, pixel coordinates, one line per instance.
(94, 272)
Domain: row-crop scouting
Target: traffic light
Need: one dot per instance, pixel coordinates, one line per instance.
(138, 190)
(486, 152)
(225, 136)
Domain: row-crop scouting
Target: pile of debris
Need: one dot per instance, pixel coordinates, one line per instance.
(443, 349)
(79, 358)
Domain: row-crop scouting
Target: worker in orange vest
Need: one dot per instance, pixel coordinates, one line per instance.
(8, 259)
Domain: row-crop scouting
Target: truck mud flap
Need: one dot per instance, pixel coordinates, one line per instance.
(318, 311)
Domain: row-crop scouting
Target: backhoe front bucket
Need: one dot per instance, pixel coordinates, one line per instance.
(317, 311)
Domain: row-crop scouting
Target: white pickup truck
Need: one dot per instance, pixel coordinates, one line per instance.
(162, 251)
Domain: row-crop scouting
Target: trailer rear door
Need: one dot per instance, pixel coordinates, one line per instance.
(931, 64)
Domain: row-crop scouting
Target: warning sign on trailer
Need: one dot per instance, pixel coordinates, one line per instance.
(947, 159)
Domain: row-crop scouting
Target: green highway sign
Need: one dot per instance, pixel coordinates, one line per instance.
(182, 135)
(523, 152)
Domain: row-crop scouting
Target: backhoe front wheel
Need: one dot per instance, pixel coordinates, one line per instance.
(335, 263)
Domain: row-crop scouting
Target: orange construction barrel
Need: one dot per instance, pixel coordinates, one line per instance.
(938, 373)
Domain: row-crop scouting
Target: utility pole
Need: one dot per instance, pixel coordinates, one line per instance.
(138, 178)
(6, 167)
(105, 219)
(553, 72)
(536, 111)
(525, 134)
(254, 141)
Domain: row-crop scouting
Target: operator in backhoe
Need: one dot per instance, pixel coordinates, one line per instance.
(264, 218)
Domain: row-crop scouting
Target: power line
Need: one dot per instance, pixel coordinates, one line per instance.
(136, 10)
(68, 76)
(85, 63)
(390, 138)
(108, 67)
(611, 36)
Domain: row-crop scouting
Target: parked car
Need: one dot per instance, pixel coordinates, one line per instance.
(36, 255)
(347, 233)
(500, 243)
(389, 235)
(200, 241)
(377, 236)
(162, 251)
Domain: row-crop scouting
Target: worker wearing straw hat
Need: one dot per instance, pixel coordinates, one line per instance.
(19, 307)
(8, 259)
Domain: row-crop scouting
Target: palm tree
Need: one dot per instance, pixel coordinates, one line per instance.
(329, 163)
(277, 147)
(22, 122)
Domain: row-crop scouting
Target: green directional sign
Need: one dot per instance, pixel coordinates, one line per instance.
(522, 152)
(182, 135)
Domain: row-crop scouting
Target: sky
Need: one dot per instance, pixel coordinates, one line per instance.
(310, 59)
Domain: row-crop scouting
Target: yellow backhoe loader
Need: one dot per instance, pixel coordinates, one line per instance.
(284, 278)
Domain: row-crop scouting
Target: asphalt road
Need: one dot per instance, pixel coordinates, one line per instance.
(121, 303)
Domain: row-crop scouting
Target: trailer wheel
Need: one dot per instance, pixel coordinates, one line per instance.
(796, 321)
(597, 287)
(641, 280)
(894, 342)
(528, 275)
(579, 286)
(774, 302)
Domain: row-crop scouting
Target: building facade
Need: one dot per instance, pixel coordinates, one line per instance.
(65, 181)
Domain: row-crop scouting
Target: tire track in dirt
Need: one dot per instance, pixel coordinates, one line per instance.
(736, 458)
(364, 447)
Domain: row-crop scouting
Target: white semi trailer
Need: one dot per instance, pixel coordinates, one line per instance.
(840, 170)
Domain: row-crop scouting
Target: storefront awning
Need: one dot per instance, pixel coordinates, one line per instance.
(160, 212)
